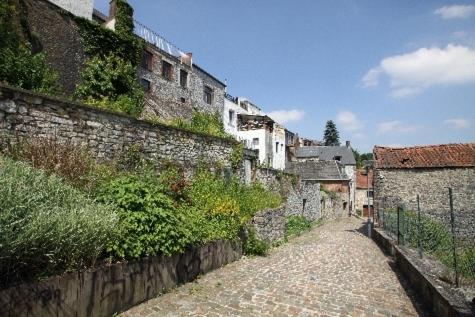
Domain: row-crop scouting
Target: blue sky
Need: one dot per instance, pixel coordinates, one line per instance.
(388, 72)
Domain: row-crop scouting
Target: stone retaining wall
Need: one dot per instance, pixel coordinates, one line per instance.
(106, 134)
(111, 289)
(269, 225)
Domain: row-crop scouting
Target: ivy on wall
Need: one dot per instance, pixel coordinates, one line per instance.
(109, 78)
(22, 63)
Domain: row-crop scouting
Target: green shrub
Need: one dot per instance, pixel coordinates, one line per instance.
(296, 225)
(110, 83)
(46, 226)
(255, 246)
(149, 222)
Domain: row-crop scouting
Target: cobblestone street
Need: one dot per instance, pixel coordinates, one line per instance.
(334, 270)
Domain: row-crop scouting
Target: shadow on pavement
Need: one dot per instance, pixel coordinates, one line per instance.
(415, 298)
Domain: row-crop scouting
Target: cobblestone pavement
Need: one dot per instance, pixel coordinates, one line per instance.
(334, 270)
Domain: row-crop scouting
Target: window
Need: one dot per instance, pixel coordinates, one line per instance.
(337, 158)
(145, 84)
(167, 70)
(208, 95)
(276, 147)
(255, 142)
(231, 117)
(369, 194)
(183, 78)
(147, 59)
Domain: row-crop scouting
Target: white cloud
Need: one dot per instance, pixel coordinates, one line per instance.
(413, 72)
(347, 120)
(457, 123)
(395, 126)
(372, 77)
(455, 11)
(284, 116)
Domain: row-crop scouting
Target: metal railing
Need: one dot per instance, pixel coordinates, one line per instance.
(433, 237)
(156, 39)
(231, 98)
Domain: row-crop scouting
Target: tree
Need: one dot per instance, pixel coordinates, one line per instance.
(331, 136)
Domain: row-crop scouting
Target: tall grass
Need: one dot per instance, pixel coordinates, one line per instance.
(47, 226)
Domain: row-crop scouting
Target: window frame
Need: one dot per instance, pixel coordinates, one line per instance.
(208, 91)
(147, 60)
(148, 87)
(183, 83)
(167, 70)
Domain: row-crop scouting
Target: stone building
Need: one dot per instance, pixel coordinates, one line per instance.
(400, 174)
(341, 154)
(175, 86)
(332, 179)
(364, 190)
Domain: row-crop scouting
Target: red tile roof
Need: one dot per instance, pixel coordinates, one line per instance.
(443, 155)
(361, 179)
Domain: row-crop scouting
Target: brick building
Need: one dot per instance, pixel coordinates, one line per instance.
(364, 188)
(400, 174)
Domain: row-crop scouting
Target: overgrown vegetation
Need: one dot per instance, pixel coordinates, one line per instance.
(296, 225)
(202, 122)
(149, 222)
(435, 239)
(21, 63)
(255, 246)
(132, 210)
(47, 226)
(109, 79)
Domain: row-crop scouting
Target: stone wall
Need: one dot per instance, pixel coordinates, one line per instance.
(304, 200)
(64, 49)
(269, 225)
(106, 134)
(332, 206)
(277, 181)
(111, 289)
(401, 186)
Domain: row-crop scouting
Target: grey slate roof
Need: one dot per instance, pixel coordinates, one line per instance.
(327, 153)
(318, 170)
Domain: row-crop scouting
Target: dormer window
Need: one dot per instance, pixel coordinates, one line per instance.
(337, 158)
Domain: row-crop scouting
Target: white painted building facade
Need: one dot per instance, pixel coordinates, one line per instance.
(268, 139)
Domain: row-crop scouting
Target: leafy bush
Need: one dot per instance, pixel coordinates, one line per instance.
(149, 222)
(110, 83)
(296, 225)
(255, 246)
(46, 226)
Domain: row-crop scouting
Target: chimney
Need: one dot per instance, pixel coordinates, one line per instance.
(187, 59)
(348, 144)
(110, 23)
(112, 9)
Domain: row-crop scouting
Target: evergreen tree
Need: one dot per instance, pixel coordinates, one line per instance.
(331, 136)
